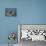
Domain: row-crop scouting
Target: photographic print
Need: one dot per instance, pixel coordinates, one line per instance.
(10, 11)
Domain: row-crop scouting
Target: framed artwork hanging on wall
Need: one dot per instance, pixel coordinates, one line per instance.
(10, 11)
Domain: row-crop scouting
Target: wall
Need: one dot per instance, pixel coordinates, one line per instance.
(28, 12)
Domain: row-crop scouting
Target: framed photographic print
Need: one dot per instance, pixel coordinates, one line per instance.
(10, 11)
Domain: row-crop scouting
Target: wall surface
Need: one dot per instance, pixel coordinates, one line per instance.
(28, 12)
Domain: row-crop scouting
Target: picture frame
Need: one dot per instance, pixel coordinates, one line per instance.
(10, 12)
